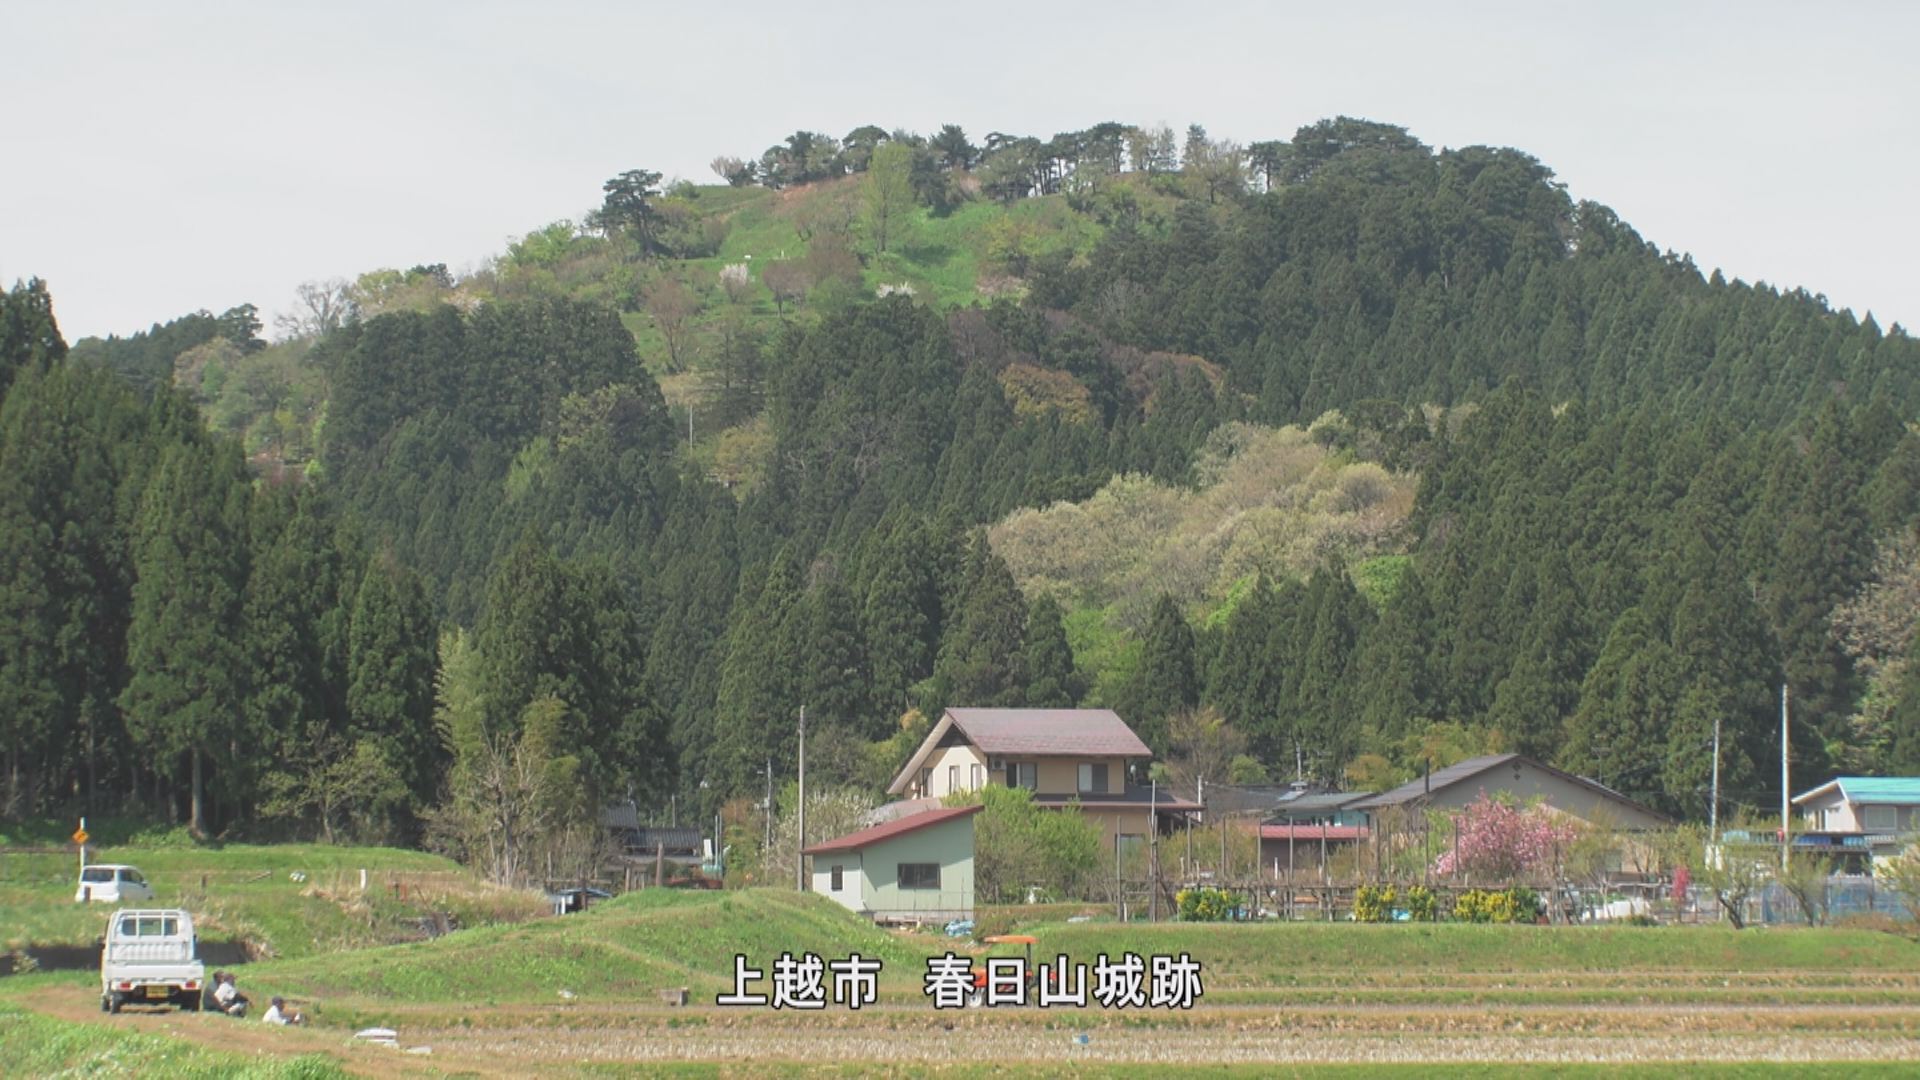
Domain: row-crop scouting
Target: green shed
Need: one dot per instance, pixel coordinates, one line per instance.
(916, 868)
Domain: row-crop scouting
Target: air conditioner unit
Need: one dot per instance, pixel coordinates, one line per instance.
(997, 764)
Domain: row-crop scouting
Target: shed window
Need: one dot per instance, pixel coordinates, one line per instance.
(1882, 818)
(838, 882)
(919, 875)
(1093, 778)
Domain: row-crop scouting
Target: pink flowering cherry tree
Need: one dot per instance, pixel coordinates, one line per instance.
(1497, 841)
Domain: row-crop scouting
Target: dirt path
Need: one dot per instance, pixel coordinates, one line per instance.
(244, 1036)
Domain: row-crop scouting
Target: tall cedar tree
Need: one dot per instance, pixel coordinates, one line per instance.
(1165, 681)
(983, 660)
(186, 656)
(1052, 681)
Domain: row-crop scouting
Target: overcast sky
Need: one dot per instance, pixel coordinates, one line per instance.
(159, 159)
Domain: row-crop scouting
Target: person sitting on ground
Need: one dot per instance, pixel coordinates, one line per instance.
(277, 1013)
(228, 996)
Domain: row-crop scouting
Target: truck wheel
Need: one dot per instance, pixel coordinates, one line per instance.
(114, 1002)
(106, 1003)
(191, 1004)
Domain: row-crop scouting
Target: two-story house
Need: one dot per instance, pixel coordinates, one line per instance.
(1066, 757)
(1859, 816)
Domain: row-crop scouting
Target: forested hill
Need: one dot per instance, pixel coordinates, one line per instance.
(678, 471)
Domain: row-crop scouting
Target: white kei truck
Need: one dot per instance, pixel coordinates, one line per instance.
(149, 957)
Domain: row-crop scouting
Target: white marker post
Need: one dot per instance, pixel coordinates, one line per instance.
(80, 837)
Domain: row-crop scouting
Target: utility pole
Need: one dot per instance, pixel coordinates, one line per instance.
(767, 846)
(1221, 824)
(1713, 808)
(1189, 873)
(1153, 850)
(799, 859)
(1786, 699)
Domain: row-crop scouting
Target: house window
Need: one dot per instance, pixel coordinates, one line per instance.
(1883, 818)
(919, 875)
(953, 778)
(1093, 779)
(838, 881)
(979, 777)
(1021, 774)
(926, 781)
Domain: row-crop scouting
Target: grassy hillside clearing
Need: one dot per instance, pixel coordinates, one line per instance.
(285, 901)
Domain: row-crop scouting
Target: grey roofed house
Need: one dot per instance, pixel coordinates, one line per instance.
(1524, 778)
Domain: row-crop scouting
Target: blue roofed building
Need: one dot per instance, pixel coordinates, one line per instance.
(1887, 805)
(1860, 815)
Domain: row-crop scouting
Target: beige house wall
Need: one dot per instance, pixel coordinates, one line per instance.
(1831, 812)
(1115, 822)
(1061, 775)
(963, 758)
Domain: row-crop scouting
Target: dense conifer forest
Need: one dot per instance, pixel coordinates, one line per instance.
(1456, 463)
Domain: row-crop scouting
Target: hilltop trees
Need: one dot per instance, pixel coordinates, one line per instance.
(630, 206)
(888, 189)
(29, 337)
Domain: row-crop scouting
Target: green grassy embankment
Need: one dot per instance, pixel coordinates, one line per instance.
(624, 950)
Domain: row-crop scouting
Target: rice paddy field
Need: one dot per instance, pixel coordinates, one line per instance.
(582, 995)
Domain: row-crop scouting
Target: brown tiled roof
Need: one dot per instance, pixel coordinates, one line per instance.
(889, 830)
(1043, 732)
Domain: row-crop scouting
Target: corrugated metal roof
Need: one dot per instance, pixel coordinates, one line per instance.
(1049, 732)
(1878, 790)
(1313, 832)
(1308, 804)
(1902, 790)
(889, 830)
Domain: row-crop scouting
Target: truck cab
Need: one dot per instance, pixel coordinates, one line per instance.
(150, 956)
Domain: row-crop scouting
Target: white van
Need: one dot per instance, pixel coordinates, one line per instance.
(150, 957)
(112, 884)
